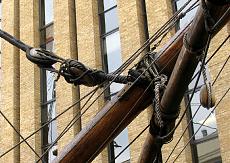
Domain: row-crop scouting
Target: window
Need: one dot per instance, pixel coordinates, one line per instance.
(111, 55)
(205, 144)
(48, 11)
(49, 133)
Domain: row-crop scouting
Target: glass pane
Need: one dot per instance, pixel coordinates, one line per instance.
(51, 111)
(209, 126)
(109, 20)
(114, 60)
(121, 141)
(48, 11)
(113, 51)
(209, 151)
(189, 16)
(109, 3)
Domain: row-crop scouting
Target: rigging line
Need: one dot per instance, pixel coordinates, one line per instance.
(156, 34)
(69, 125)
(164, 33)
(123, 118)
(221, 19)
(56, 117)
(197, 123)
(131, 143)
(102, 93)
(141, 95)
(193, 92)
(221, 69)
(69, 108)
(133, 57)
(202, 124)
(47, 123)
(193, 7)
(192, 117)
(18, 133)
(220, 46)
(197, 109)
(186, 26)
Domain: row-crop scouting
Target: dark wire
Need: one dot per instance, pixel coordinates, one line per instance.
(152, 38)
(142, 93)
(47, 123)
(18, 133)
(20, 47)
(101, 94)
(219, 47)
(213, 54)
(201, 125)
(193, 92)
(164, 36)
(69, 125)
(196, 111)
(131, 142)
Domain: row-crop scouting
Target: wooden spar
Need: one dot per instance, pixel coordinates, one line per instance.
(108, 122)
(106, 125)
(184, 68)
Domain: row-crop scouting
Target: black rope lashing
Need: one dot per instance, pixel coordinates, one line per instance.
(78, 74)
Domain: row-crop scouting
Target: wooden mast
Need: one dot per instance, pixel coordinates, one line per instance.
(194, 44)
(119, 112)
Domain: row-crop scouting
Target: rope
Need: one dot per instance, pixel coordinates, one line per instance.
(201, 124)
(197, 110)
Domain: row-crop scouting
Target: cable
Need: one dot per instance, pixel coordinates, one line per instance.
(49, 122)
(196, 111)
(18, 133)
(153, 37)
(199, 106)
(220, 46)
(131, 143)
(139, 97)
(221, 69)
(196, 123)
(202, 124)
(99, 95)
(69, 125)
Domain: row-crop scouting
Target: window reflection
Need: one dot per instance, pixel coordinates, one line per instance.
(110, 20)
(113, 51)
(109, 3)
(48, 11)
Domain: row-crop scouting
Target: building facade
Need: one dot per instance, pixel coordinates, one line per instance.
(102, 34)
